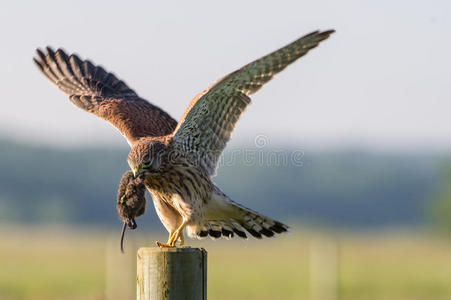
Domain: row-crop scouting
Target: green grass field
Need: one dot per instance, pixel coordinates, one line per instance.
(43, 263)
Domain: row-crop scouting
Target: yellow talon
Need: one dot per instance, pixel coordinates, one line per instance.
(161, 245)
(173, 237)
(170, 243)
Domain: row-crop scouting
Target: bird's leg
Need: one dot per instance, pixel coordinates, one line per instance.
(178, 233)
(174, 236)
(168, 244)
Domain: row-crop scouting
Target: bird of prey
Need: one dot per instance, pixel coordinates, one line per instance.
(178, 159)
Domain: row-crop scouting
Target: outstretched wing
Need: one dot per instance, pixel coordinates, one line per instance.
(208, 122)
(93, 89)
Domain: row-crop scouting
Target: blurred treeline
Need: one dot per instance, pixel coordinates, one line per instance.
(343, 188)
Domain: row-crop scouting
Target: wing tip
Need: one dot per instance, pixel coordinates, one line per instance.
(329, 31)
(46, 54)
(322, 35)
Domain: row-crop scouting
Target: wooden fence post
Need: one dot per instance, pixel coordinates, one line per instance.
(171, 274)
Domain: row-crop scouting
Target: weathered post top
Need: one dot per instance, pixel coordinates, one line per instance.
(171, 274)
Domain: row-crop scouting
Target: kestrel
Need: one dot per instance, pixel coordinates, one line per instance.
(177, 160)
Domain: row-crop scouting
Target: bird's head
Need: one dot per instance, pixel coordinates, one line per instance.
(146, 157)
(131, 201)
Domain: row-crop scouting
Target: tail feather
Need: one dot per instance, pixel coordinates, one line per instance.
(227, 218)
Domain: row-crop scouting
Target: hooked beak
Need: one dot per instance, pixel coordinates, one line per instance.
(137, 172)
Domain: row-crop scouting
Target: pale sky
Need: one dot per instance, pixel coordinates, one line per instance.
(381, 82)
